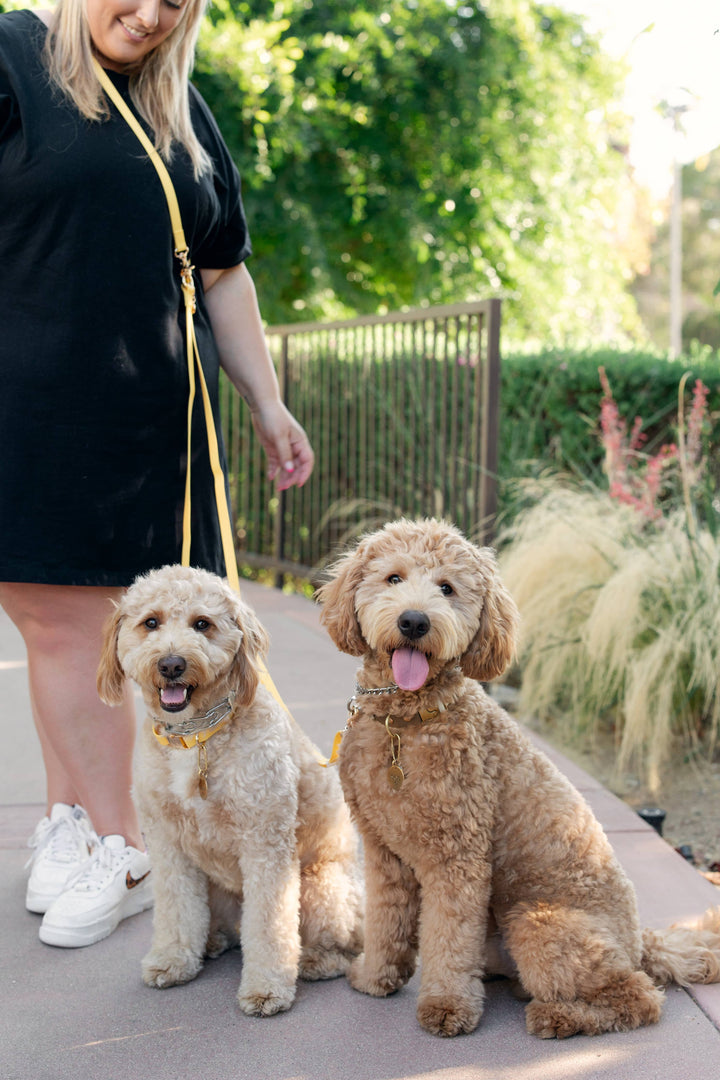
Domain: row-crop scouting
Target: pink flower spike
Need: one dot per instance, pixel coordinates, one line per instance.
(637, 438)
(696, 421)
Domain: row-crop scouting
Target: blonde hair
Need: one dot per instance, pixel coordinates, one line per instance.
(158, 86)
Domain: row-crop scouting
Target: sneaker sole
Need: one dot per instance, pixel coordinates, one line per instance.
(76, 937)
(38, 902)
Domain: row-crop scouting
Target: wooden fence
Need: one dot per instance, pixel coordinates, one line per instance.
(402, 412)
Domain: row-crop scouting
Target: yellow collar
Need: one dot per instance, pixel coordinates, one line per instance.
(197, 730)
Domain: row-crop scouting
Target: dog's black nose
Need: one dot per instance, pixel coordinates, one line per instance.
(171, 667)
(413, 624)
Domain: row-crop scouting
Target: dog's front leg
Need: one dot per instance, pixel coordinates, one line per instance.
(453, 929)
(269, 928)
(180, 921)
(391, 913)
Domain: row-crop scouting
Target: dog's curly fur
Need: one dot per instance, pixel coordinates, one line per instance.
(272, 848)
(486, 851)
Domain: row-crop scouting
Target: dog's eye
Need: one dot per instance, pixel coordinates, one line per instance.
(151, 623)
(394, 579)
(201, 625)
(446, 589)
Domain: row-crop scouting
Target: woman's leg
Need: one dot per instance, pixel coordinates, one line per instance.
(87, 747)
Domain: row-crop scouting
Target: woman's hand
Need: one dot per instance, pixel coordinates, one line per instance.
(289, 453)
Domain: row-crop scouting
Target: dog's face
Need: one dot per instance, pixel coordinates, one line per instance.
(185, 637)
(421, 596)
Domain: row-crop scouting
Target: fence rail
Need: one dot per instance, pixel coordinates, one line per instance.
(402, 411)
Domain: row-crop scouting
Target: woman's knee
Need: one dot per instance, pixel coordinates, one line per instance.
(52, 617)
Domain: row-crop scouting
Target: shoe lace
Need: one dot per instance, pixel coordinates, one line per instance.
(61, 839)
(98, 869)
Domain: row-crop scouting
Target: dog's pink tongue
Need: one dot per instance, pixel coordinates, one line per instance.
(172, 695)
(410, 668)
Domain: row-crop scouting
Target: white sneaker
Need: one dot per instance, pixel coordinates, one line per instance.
(62, 843)
(113, 884)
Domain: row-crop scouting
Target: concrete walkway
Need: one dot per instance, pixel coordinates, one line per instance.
(85, 1013)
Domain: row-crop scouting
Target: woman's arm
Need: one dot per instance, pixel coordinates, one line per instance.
(237, 327)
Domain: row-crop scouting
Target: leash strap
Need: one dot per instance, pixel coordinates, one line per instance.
(182, 253)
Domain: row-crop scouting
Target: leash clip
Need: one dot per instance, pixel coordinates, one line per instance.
(186, 277)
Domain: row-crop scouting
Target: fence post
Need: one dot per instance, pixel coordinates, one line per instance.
(490, 422)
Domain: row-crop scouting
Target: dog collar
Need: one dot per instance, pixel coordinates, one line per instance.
(395, 774)
(423, 715)
(196, 732)
(198, 729)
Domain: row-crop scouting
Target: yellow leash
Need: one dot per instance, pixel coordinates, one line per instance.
(182, 253)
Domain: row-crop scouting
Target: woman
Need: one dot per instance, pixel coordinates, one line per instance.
(92, 418)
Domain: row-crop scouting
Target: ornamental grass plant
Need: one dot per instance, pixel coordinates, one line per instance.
(619, 594)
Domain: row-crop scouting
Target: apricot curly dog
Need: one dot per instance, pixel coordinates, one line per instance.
(242, 825)
(472, 837)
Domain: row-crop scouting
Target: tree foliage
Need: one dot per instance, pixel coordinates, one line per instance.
(405, 152)
(402, 152)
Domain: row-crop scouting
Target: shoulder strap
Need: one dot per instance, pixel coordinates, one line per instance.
(193, 355)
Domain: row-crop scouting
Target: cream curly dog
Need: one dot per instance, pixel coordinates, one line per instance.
(242, 824)
(468, 829)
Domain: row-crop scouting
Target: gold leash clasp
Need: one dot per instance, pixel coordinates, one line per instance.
(186, 278)
(395, 774)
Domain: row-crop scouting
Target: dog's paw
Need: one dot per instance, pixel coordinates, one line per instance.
(318, 963)
(552, 1020)
(379, 983)
(265, 1000)
(170, 968)
(448, 1016)
(219, 941)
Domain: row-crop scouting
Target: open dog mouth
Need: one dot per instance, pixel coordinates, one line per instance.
(410, 668)
(175, 696)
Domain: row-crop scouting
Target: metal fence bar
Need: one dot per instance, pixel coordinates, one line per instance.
(402, 410)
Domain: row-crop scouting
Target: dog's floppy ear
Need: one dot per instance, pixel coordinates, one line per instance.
(110, 676)
(493, 646)
(337, 597)
(245, 670)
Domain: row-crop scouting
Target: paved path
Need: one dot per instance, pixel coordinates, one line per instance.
(84, 1014)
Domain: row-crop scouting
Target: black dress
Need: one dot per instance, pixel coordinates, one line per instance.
(93, 370)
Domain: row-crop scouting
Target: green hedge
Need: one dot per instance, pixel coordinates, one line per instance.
(550, 405)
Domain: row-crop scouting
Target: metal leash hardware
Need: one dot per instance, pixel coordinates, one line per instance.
(202, 770)
(186, 278)
(395, 774)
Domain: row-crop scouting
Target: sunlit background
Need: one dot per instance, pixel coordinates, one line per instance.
(672, 49)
